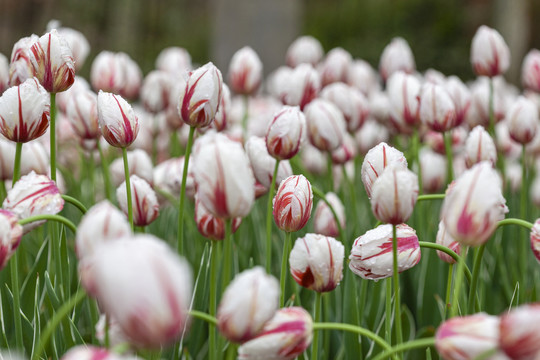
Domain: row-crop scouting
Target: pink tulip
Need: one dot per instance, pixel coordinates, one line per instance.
(210, 226)
(522, 120)
(245, 71)
(376, 160)
(396, 56)
(490, 55)
(519, 337)
(11, 234)
(323, 221)
(284, 134)
(530, 70)
(325, 125)
(305, 49)
(145, 205)
(293, 203)
(117, 120)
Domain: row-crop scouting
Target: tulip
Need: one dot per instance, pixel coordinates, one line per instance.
(145, 205)
(33, 195)
(168, 177)
(102, 223)
(263, 164)
(530, 70)
(139, 163)
(174, 60)
(363, 77)
(24, 111)
(245, 71)
(10, 235)
(434, 170)
(473, 205)
(370, 135)
(293, 203)
(461, 96)
(200, 98)
(346, 151)
(80, 48)
(376, 160)
(284, 337)
(371, 255)
(305, 49)
(20, 68)
(479, 112)
(323, 221)
(535, 239)
(465, 338)
(445, 239)
(437, 110)
(325, 125)
(284, 134)
(82, 113)
(299, 86)
(248, 303)
(490, 55)
(403, 91)
(479, 147)
(316, 262)
(435, 140)
(519, 337)
(4, 74)
(314, 160)
(210, 226)
(352, 103)
(335, 66)
(155, 91)
(35, 157)
(522, 119)
(152, 311)
(52, 62)
(90, 352)
(396, 56)
(222, 118)
(225, 181)
(117, 120)
(116, 73)
(379, 103)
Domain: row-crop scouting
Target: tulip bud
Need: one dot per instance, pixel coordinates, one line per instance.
(117, 120)
(316, 262)
(139, 163)
(263, 164)
(116, 73)
(247, 304)
(90, 352)
(52, 62)
(467, 337)
(20, 68)
(10, 235)
(479, 147)
(325, 125)
(461, 96)
(323, 221)
(155, 91)
(162, 288)
(245, 71)
(24, 111)
(363, 77)
(519, 337)
(102, 223)
(371, 255)
(530, 71)
(369, 135)
(284, 134)
(225, 182)
(335, 66)
(200, 98)
(352, 103)
(314, 160)
(83, 114)
(522, 119)
(293, 203)
(168, 177)
(396, 56)
(473, 205)
(77, 43)
(210, 226)
(403, 91)
(535, 239)
(437, 110)
(35, 157)
(174, 60)
(305, 49)
(299, 86)
(433, 170)
(4, 74)
(490, 55)
(435, 140)
(346, 151)
(145, 205)
(33, 195)
(445, 239)
(376, 160)
(479, 112)
(222, 120)
(285, 336)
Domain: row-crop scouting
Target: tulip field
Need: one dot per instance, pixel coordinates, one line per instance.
(330, 210)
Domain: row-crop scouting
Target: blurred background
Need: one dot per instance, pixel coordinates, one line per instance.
(438, 31)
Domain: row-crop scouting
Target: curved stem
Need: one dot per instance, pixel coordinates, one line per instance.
(430, 197)
(397, 296)
(212, 301)
(316, 319)
(318, 193)
(449, 156)
(420, 343)
(14, 269)
(448, 290)
(79, 205)
(269, 219)
(59, 315)
(459, 280)
(204, 316)
(513, 221)
(128, 188)
(284, 261)
(17, 165)
(105, 170)
(180, 238)
(52, 130)
(57, 218)
(475, 273)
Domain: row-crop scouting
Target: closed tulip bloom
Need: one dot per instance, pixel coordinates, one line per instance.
(299, 86)
(363, 77)
(90, 352)
(316, 262)
(535, 239)
(403, 92)
(437, 110)
(20, 67)
(465, 338)
(4, 73)
(102, 223)
(352, 103)
(305, 49)
(314, 160)
(7, 156)
(106, 73)
(80, 48)
(174, 60)
(151, 310)
(263, 164)
(371, 254)
(200, 98)
(145, 205)
(35, 157)
(224, 179)
(82, 113)
(33, 195)
(139, 163)
(117, 120)
(168, 177)
(52, 62)
(376, 160)
(10, 235)
(473, 205)
(519, 337)
(346, 151)
(210, 226)
(480, 104)
(433, 170)
(479, 147)
(445, 239)
(490, 55)
(222, 120)
(370, 134)
(435, 140)
(284, 337)
(248, 303)
(530, 70)
(24, 111)
(461, 96)
(323, 221)
(325, 125)
(293, 203)
(155, 91)
(396, 56)
(522, 119)
(335, 66)
(245, 71)
(284, 134)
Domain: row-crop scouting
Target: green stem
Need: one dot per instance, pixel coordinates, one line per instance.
(58, 316)
(204, 316)
(415, 344)
(416, 140)
(228, 256)
(3, 191)
(459, 280)
(57, 218)
(269, 219)
(430, 197)
(447, 135)
(316, 319)
(52, 129)
(388, 312)
(180, 244)
(524, 247)
(319, 194)
(105, 170)
(397, 296)
(14, 268)
(476, 271)
(17, 165)
(79, 205)
(284, 262)
(512, 221)
(128, 188)
(212, 301)
(448, 290)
